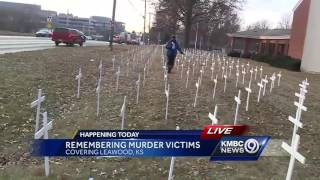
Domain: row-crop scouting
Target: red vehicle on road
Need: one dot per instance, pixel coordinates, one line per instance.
(68, 36)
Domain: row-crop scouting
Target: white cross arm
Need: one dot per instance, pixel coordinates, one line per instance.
(237, 99)
(167, 93)
(292, 151)
(300, 106)
(249, 90)
(260, 85)
(34, 103)
(41, 132)
(98, 89)
(78, 76)
(213, 118)
(299, 95)
(296, 122)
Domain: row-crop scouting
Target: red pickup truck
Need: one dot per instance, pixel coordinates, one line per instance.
(68, 36)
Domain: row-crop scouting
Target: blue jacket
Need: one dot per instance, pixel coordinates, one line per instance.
(172, 48)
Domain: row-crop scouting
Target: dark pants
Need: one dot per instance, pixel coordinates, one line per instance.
(170, 62)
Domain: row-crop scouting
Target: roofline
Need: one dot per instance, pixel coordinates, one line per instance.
(259, 37)
(297, 5)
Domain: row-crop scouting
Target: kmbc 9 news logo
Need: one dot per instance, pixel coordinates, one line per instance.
(242, 146)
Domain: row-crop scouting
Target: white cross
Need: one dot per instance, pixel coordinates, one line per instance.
(294, 154)
(43, 132)
(243, 75)
(165, 82)
(178, 60)
(128, 66)
(213, 117)
(212, 70)
(113, 60)
(98, 96)
(238, 101)
(167, 104)
(138, 88)
(193, 69)
(164, 71)
(265, 81)
(181, 71)
(78, 77)
(248, 67)
(300, 107)
(260, 87)
(251, 73)
(201, 74)
(261, 69)
(100, 70)
(272, 78)
(187, 78)
(170, 176)
(255, 73)
(122, 112)
(215, 86)
(230, 69)
(144, 74)
(225, 83)
(248, 89)
(222, 71)
(279, 78)
(196, 97)
(37, 103)
(237, 75)
(117, 80)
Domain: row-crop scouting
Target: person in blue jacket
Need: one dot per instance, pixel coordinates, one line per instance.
(172, 48)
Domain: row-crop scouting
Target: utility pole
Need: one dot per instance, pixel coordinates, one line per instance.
(149, 28)
(144, 21)
(112, 23)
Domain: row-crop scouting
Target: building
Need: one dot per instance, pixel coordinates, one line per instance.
(271, 42)
(302, 42)
(20, 17)
(305, 35)
(95, 25)
(74, 22)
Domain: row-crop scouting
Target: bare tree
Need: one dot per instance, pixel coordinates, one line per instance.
(212, 16)
(259, 25)
(285, 21)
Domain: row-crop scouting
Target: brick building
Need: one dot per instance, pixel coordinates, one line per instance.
(272, 42)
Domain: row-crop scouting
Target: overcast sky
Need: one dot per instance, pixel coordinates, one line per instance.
(131, 11)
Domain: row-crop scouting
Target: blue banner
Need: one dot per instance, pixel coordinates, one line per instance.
(149, 143)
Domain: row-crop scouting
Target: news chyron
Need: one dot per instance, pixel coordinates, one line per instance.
(219, 143)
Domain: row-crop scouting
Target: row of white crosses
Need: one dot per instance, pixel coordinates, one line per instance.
(46, 126)
(293, 148)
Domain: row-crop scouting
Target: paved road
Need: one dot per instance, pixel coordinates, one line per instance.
(11, 44)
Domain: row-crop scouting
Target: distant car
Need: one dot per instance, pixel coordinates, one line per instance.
(68, 36)
(116, 39)
(45, 32)
(89, 38)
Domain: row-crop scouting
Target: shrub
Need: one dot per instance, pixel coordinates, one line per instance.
(247, 55)
(234, 54)
(285, 62)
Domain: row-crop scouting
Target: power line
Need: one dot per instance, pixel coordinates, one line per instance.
(132, 5)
